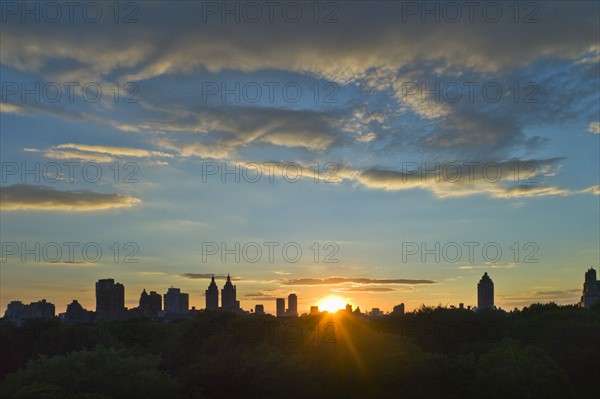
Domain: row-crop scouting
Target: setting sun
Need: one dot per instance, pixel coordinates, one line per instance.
(332, 304)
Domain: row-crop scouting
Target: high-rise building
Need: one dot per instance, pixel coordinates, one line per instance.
(591, 289)
(212, 295)
(314, 310)
(348, 308)
(228, 296)
(176, 301)
(259, 309)
(292, 305)
(150, 304)
(485, 293)
(280, 307)
(398, 310)
(110, 299)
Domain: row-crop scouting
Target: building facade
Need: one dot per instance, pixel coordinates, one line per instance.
(212, 295)
(280, 307)
(16, 311)
(485, 293)
(76, 314)
(150, 304)
(228, 296)
(591, 289)
(110, 300)
(292, 305)
(176, 301)
(398, 310)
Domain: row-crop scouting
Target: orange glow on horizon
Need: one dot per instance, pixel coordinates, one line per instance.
(332, 304)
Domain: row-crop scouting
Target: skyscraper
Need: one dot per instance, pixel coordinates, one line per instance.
(228, 296)
(110, 299)
(259, 309)
(591, 289)
(292, 305)
(485, 293)
(176, 301)
(212, 295)
(280, 307)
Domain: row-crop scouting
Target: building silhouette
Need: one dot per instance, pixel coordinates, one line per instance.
(591, 289)
(228, 296)
(259, 309)
(16, 311)
(292, 305)
(398, 310)
(314, 310)
(150, 304)
(485, 293)
(280, 302)
(212, 295)
(110, 300)
(76, 314)
(176, 301)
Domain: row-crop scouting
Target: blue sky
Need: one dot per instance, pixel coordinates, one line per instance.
(348, 98)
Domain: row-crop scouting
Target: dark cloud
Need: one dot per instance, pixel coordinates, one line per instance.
(207, 276)
(343, 280)
(365, 289)
(25, 197)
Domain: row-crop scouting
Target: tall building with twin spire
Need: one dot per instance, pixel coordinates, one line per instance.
(228, 296)
(212, 295)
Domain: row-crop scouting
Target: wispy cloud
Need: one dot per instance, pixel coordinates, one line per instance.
(96, 153)
(207, 276)
(358, 281)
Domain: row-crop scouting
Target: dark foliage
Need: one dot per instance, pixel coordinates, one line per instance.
(543, 351)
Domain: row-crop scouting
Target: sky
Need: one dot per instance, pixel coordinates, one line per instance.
(380, 152)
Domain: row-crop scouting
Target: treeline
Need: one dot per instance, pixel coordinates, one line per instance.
(543, 351)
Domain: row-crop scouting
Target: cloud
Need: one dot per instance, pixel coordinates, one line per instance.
(207, 276)
(79, 155)
(228, 129)
(96, 153)
(591, 189)
(9, 108)
(72, 263)
(24, 197)
(489, 266)
(340, 51)
(594, 127)
(507, 179)
(373, 59)
(365, 289)
(359, 281)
